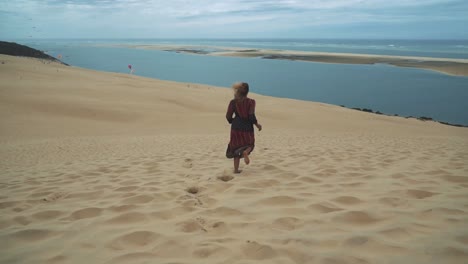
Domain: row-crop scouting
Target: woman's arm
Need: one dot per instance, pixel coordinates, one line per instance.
(252, 117)
(230, 112)
(259, 127)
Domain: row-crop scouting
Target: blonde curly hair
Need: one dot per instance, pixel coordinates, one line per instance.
(241, 89)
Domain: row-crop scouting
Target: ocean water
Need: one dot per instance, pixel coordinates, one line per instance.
(389, 89)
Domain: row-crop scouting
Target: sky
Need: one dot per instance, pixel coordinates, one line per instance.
(342, 19)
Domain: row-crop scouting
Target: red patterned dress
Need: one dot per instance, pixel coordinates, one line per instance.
(242, 131)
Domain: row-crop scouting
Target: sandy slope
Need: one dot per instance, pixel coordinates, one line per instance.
(111, 168)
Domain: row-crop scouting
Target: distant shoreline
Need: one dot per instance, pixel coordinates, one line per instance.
(449, 66)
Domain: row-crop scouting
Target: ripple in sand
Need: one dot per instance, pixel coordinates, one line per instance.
(257, 251)
(264, 183)
(136, 257)
(123, 208)
(126, 189)
(455, 179)
(86, 213)
(287, 223)
(40, 194)
(344, 260)
(163, 215)
(22, 220)
(398, 175)
(126, 218)
(443, 211)
(347, 200)
(309, 179)
(270, 167)
(134, 240)
(223, 211)
(462, 239)
(393, 201)
(171, 249)
(296, 255)
(138, 199)
(86, 195)
(397, 233)
(356, 241)
(57, 259)
(356, 217)
(451, 252)
(211, 251)
(420, 194)
(33, 235)
(322, 208)
(47, 215)
(5, 224)
(247, 191)
(5, 205)
(278, 200)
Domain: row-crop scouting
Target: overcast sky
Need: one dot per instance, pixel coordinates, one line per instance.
(434, 19)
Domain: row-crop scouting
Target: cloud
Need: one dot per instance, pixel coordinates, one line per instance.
(200, 18)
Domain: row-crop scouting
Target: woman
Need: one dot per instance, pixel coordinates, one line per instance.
(242, 140)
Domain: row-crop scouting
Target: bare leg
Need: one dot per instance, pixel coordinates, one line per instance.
(245, 155)
(236, 165)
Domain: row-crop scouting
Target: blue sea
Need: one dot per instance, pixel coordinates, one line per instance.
(388, 89)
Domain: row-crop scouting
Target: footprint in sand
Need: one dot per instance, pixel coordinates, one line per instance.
(53, 197)
(225, 178)
(188, 163)
(190, 226)
(193, 190)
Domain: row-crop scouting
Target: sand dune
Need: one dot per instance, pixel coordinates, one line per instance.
(111, 168)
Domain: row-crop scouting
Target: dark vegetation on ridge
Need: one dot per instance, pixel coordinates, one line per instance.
(15, 49)
(422, 118)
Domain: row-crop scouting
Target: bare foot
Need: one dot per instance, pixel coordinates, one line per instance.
(237, 171)
(246, 157)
